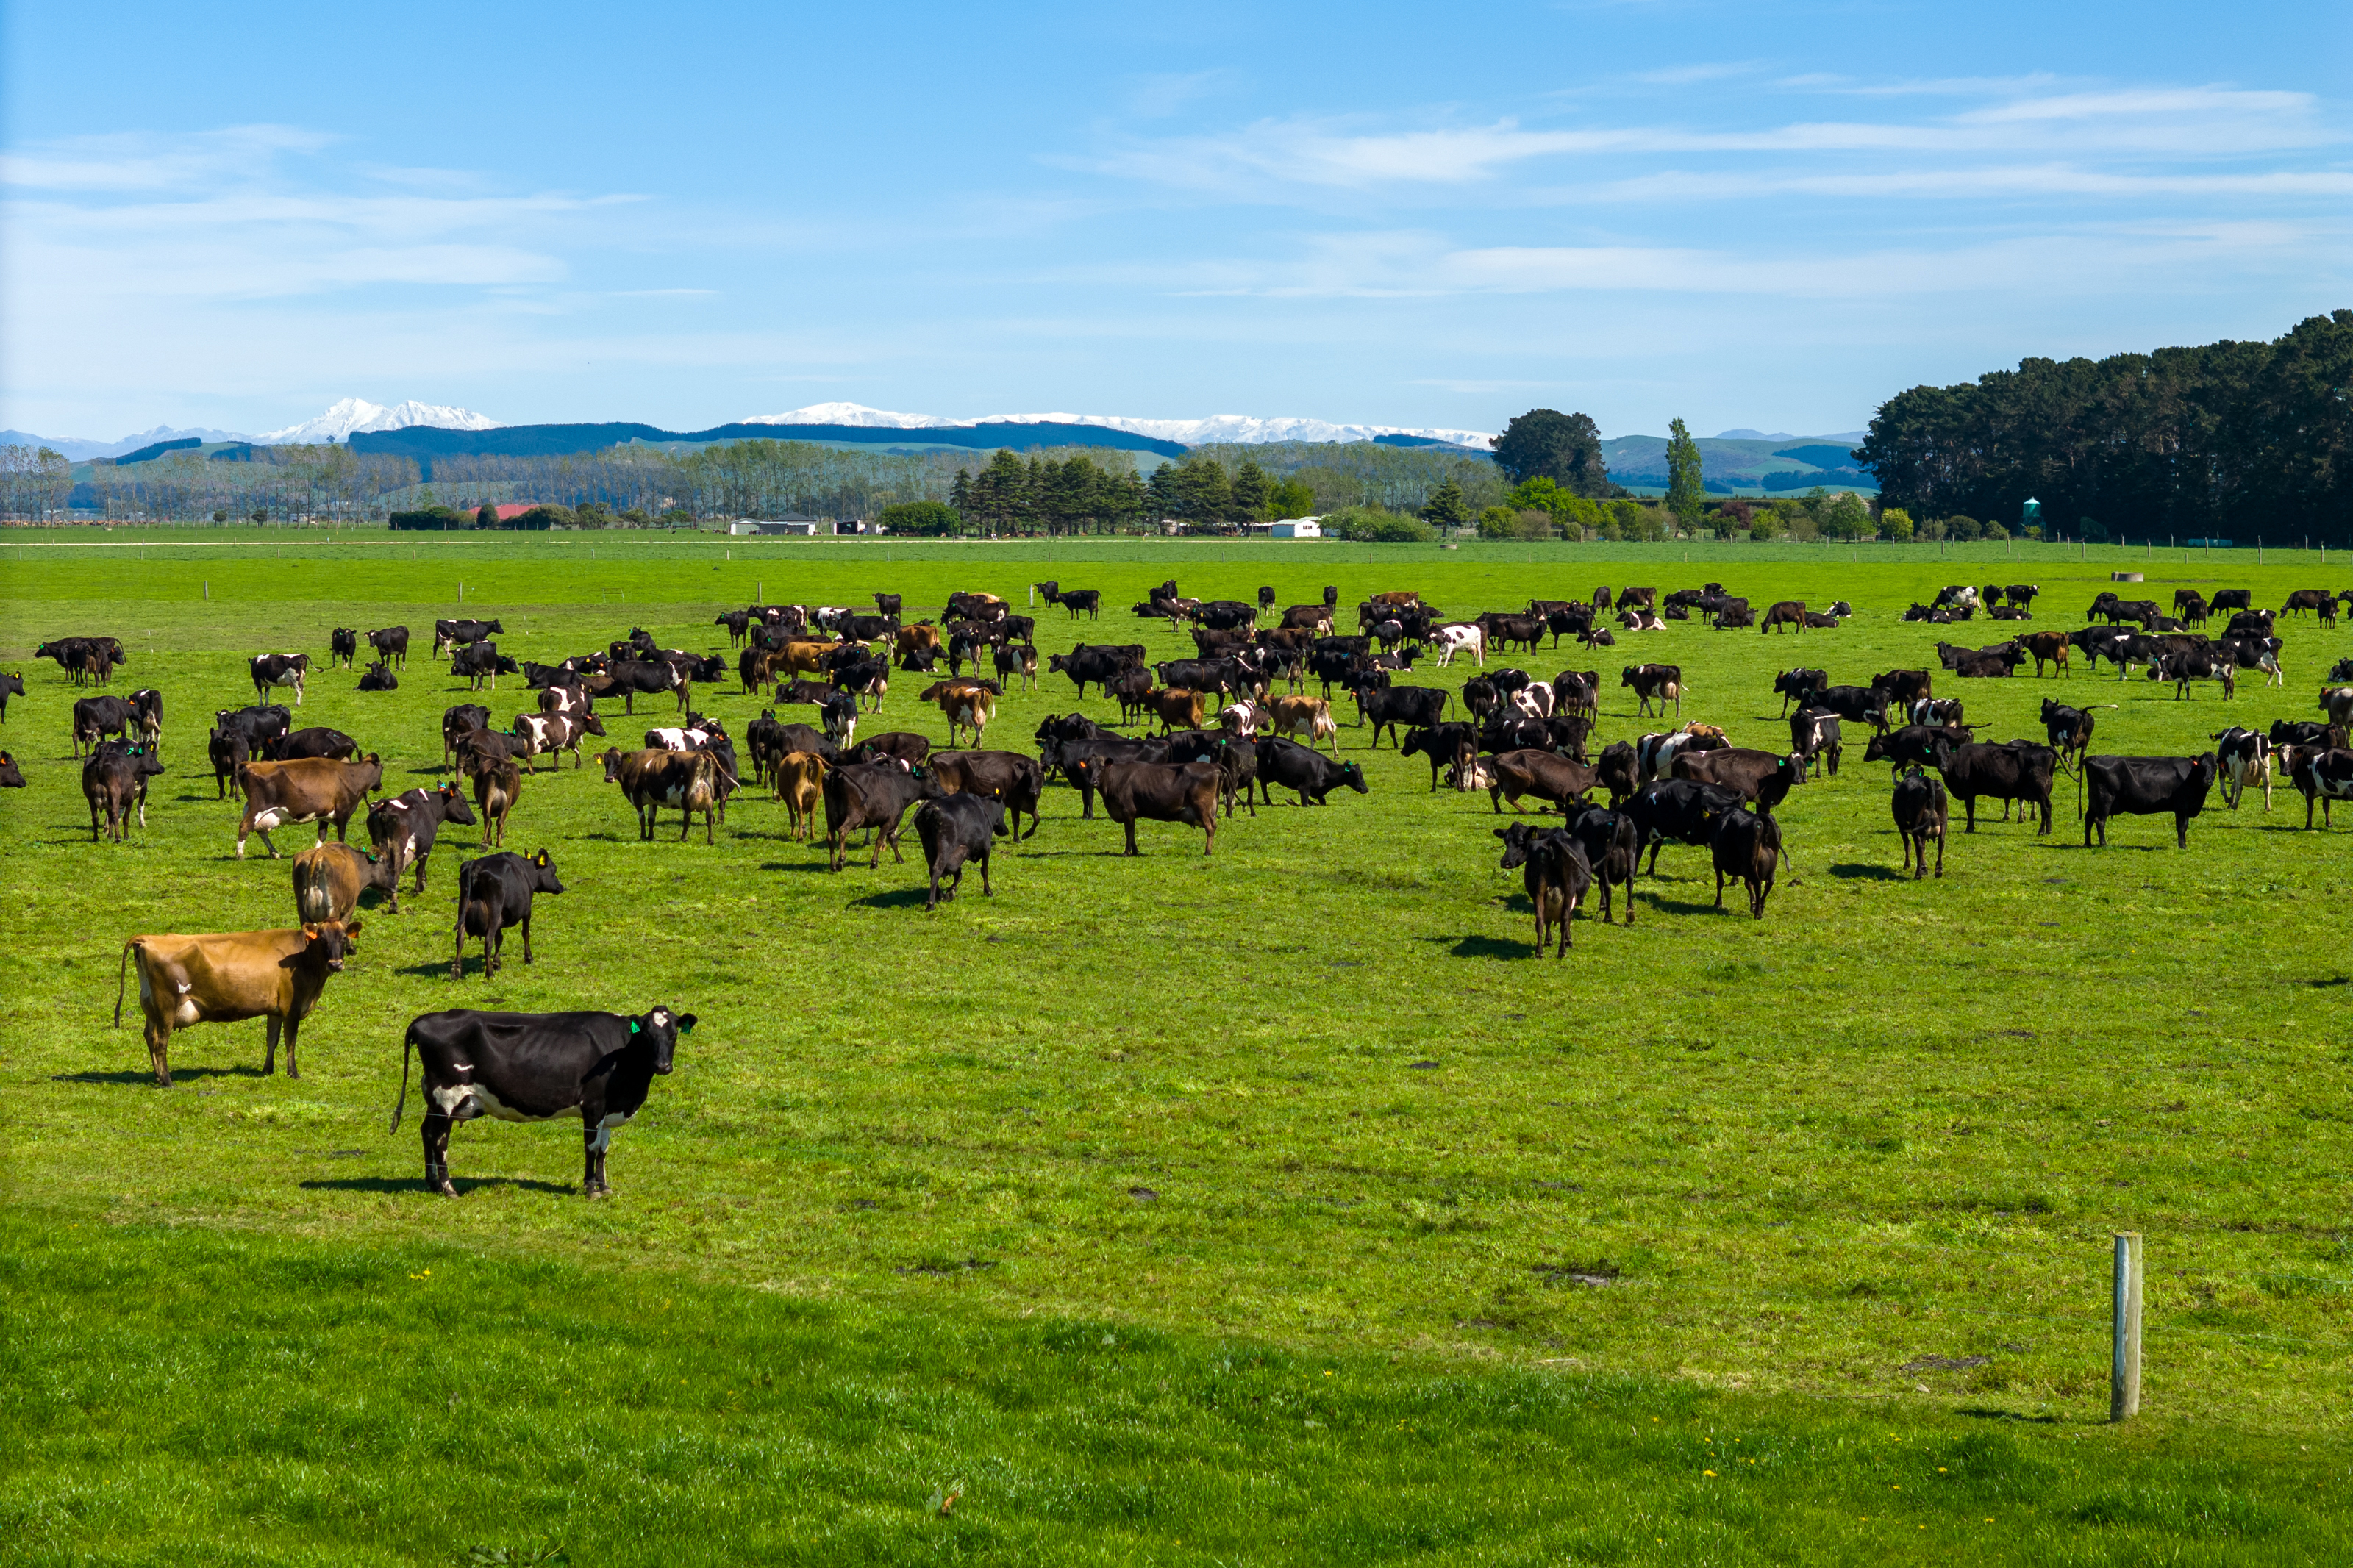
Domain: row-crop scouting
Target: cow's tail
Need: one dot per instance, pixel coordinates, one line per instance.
(122, 979)
(408, 1044)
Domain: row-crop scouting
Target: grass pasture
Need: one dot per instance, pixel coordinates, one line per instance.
(1075, 1195)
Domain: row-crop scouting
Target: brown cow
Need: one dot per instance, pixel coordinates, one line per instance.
(304, 789)
(498, 784)
(1547, 774)
(801, 785)
(1312, 714)
(330, 878)
(919, 638)
(651, 780)
(2047, 647)
(233, 976)
(969, 704)
(1176, 708)
(806, 657)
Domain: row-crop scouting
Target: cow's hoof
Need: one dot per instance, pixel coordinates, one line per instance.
(598, 1193)
(446, 1189)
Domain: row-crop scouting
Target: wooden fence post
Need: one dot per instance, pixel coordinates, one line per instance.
(2124, 1370)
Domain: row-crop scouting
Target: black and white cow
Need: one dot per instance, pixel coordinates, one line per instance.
(533, 1067)
(2323, 776)
(2242, 757)
(279, 670)
(1815, 736)
(482, 662)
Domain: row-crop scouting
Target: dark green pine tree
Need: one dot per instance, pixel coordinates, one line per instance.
(1446, 508)
(1686, 493)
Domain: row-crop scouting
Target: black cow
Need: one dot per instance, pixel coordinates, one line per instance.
(634, 677)
(379, 678)
(1912, 745)
(1681, 809)
(95, 717)
(1164, 792)
(316, 742)
(1554, 869)
(1012, 780)
(1234, 756)
(1083, 664)
(229, 751)
(493, 894)
(1441, 743)
(2014, 770)
(875, 796)
(10, 686)
(482, 662)
(2146, 786)
(958, 830)
(1659, 683)
(1921, 812)
(1856, 704)
(531, 1067)
(391, 645)
(10, 776)
(2068, 728)
(342, 646)
(1618, 771)
(449, 634)
(1799, 685)
(459, 721)
(114, 782)
(1415, 706)
(1304, 769)
(1746, 847)
(1613, 847)
(1084, 762)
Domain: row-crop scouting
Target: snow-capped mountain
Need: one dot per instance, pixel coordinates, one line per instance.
(1235, 427)
(351, 414)
(82, 450)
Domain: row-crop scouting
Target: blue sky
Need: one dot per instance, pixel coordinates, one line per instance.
(1768, 215)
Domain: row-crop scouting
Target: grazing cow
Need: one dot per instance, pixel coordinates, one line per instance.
(342, 646)
(1303, 768)
(391, 645)
(687, 781)
(1910, 745)
(957, 830)
(228, 977)
(1012, 780)
(543, 735)
(799, 780)
(1799, 685)
(2146, 786)
(498, 784)
(2012, 771)
(401, 829)
(1765, 777)
(271, 669)
(114, 782)
(1682, 809)
(1556, 873)
(379, 678)
(1618, 771)
(1171, 792)
(305, 789)
(875, 796)
(449, 634)
(1921, 812)
(494, 895)
(2322, 775)
(95, 717)
(2242, 757)
(2304, 599)
(1441, 743)
(1411, 706)
(2196, 664)
(459, 721)
(1746, 847)
(1543, 773)
(531, 1067)
(1815, 736)
(1786, 613)
(1655, 683)
(1451, 640)
(330, 878)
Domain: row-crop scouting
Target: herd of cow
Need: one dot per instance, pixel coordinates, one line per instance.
(1234, 722)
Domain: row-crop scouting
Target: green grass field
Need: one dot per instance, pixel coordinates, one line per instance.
(1076, 1195)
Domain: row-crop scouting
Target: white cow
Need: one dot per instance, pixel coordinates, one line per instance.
(1451, 640)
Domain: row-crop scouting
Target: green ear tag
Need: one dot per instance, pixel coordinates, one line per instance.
(633, 1025)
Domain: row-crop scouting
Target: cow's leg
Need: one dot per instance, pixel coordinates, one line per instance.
(270, 1052)
(1719, 887)
(526, 939)
(159, 1043)
(435, 1129)
(293, 1027)
(1971, 801)
(457, 954)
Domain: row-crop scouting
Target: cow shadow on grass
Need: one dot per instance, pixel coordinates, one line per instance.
(1868, 872)
(417, 1185)
(136, 1076)
(1485, 947)
(899, 898)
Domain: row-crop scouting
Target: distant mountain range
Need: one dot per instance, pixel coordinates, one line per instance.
(1735, 461)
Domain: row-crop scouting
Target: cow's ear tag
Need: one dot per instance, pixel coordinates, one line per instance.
(633, 1025)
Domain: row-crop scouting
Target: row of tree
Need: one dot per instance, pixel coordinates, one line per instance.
(2229, 440)
(35, 482)
(325, 482)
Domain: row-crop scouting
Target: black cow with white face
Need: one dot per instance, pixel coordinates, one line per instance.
(533, 1066)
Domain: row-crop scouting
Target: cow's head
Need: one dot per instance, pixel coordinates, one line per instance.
(331, 942)
(1354, 777)
(1516, 839)
(453, 802)
(661, 1028)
